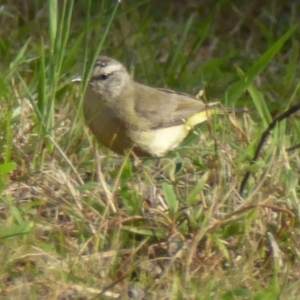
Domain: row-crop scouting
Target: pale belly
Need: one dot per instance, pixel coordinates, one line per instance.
(159, 141)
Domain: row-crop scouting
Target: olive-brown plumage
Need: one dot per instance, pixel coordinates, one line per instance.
(126, 115)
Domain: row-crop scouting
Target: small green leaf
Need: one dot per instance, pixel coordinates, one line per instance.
(221, 245)
(16, 230)
(7, 168)
(194, 194)
(144, 231)
(170, 197)
(256, 166)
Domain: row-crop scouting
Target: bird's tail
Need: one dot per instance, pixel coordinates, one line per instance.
(210, 110)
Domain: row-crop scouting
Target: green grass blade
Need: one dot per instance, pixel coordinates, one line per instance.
(290, 75)
(235, 91)
(260, 104)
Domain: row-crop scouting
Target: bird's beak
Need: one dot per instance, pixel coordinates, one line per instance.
(76, 79)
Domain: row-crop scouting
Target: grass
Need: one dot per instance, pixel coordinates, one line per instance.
(78, 221)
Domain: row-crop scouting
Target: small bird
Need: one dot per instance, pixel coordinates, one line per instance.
(126, 115)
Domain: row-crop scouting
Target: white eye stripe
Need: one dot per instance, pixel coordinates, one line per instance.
(100, 68)
(101, 64)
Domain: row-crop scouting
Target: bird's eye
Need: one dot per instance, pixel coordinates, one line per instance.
(100, 77)
(103, 76)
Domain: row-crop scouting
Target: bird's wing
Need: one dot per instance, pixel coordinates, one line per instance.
(166, 108)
